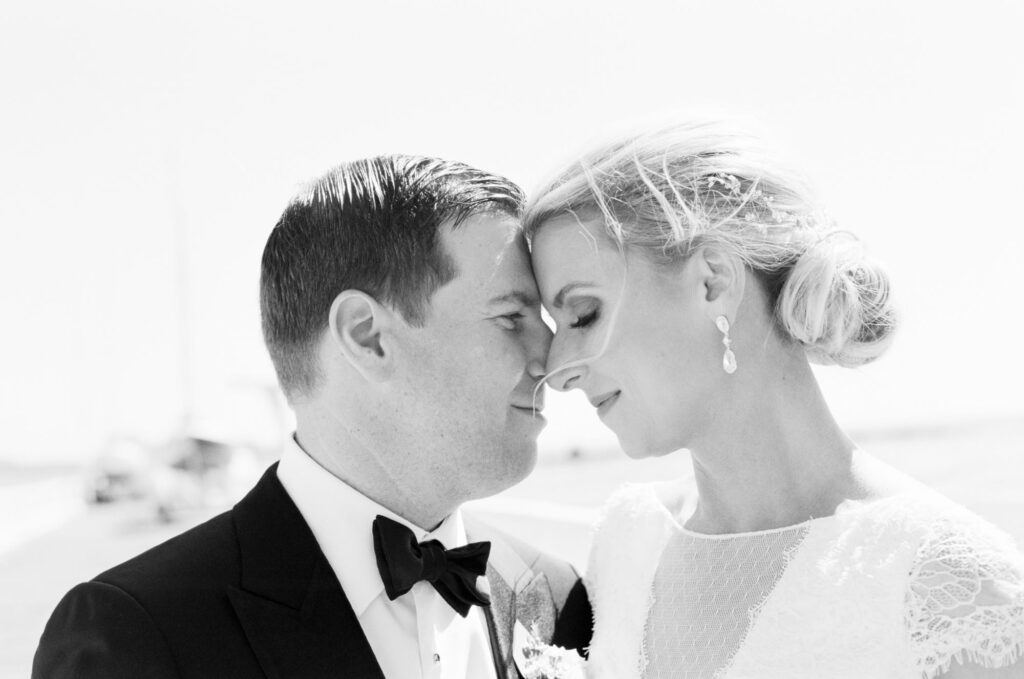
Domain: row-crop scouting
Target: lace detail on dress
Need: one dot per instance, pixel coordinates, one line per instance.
(707, 593)
(887, 588)
(965, 599)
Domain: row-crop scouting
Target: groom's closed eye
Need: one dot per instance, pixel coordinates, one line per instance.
(512, 321)
(515, 319)
(518, 305)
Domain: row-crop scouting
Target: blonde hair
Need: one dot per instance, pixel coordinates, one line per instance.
(668, 191)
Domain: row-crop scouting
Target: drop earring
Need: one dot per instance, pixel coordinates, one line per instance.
(729, 358)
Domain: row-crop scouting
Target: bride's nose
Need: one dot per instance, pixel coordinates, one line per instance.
(565, 380)
(564, 377)
(564, 372)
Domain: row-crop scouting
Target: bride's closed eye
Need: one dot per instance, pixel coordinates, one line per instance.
(585, 319)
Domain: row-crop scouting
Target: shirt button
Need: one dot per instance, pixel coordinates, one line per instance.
(437, 658)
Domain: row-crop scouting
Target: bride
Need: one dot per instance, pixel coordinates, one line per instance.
(693, 281)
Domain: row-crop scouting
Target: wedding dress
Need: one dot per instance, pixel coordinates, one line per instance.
(895, 587)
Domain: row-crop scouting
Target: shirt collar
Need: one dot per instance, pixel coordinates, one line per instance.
(341, 519)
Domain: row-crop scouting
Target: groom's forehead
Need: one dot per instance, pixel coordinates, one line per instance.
(490, 256)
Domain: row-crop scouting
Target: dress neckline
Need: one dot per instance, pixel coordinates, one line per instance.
(678, 526)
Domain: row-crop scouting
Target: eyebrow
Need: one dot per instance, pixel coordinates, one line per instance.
(575, 285)
(518, 296)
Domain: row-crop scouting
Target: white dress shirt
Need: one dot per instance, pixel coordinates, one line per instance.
(416, 636)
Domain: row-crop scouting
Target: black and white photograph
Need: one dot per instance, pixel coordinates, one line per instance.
(512, 340)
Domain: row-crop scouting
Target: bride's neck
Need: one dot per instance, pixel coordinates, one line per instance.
(775, 460)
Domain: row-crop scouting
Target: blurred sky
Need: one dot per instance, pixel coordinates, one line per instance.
(145, 144)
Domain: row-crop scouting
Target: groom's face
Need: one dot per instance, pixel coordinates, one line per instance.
(471, 370)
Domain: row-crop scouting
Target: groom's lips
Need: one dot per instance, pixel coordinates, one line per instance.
(534, 414)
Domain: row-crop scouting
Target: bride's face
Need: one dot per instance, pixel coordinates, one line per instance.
(637, 337)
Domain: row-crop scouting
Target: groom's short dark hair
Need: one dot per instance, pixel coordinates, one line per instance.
(370, 225)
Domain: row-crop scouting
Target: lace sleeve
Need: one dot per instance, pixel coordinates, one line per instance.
(965, 599)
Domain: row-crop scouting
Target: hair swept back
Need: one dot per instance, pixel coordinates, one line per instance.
(668, 190)
(370, 225)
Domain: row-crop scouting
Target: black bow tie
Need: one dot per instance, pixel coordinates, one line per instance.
(403, 562)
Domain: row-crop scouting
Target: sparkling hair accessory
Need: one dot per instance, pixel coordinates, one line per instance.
(665, 192)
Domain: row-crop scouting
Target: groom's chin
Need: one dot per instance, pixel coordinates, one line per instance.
(505, 477)
(523, 461)
(520, 461)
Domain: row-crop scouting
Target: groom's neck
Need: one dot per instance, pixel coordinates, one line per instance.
(398, 480)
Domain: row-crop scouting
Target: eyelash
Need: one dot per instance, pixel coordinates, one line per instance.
(584, 320)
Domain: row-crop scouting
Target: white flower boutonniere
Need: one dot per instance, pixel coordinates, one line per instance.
(537, 660)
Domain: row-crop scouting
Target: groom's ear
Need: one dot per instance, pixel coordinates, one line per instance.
(358, 327)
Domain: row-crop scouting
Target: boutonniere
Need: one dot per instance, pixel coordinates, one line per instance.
(537, 660)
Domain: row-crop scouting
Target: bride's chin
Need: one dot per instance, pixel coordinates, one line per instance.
(641, 449)
(633, 449)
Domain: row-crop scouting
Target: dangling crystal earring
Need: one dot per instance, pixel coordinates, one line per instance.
(729, 358)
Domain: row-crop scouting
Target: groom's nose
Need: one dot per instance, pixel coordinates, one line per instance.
(539, 345)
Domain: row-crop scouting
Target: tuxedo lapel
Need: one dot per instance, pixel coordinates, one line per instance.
(518, 593)
(501, 619)
(294, 613)
(535, 608)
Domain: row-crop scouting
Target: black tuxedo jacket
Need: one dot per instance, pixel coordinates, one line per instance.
(250, 594)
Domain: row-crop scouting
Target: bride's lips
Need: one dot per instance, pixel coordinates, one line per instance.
(605, 401)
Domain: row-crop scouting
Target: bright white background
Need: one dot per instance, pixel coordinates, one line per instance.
(147, 149)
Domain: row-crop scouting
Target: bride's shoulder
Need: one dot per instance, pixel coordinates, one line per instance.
(963, 591)
(902, 507)
(931, 524)
(955, 541)
(634, 506)
(965, 595)
(921, 516)
(959, 578)
(634, 523)
(641, 499)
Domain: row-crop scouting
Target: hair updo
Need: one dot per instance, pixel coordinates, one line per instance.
(666, 192)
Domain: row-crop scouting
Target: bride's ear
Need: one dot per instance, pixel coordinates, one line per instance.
(723, 279)
(360, 332)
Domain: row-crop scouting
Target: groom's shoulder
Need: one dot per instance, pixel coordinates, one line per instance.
(205, 552)
(147, 615)
(208, 554)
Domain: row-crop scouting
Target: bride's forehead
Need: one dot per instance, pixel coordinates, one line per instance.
(567, 249)
(574, 235)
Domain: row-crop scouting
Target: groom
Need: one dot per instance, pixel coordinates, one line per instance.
(403, 321)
